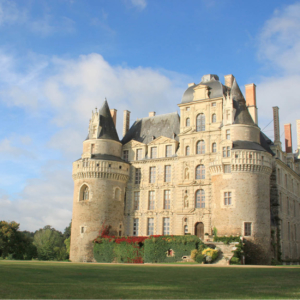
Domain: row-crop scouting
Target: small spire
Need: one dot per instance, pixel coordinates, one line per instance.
(96, 109)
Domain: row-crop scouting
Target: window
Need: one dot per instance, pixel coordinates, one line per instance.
(138, 176)
(92, 148)
(280, 201)
(169, 151)
(154, 152)
(187, 150)
(84, 194)
(125, 155)
(94, 129)
(152, 176)
(200, 147)
(136, 227)
(285, 180)
(224, 151)
(227, 115)
(200, 122)
(227, 198)
(167, 173)
(188, 122)
(278, 176)
(200, 172)
(227, 168)
(188, 108)
(214, 104)
(166, 229)
(228, 151)
(289, 231)
(85, 163)
(200, 199)
(288, 205)
(150, 226)
(151, 200)
(214, 118)
(228, 134)
(117, 194)
(247, 229)
(136, 201)
(167, 199)
(294, 209)
(139, 153)
(82, 229)
(186, 229)
(214, 148)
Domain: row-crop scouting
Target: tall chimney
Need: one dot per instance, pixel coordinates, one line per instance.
(251, 100)
(113, 113)
(126, 121)
(298, 137)
(276, 125)
(229, 80)
(288, 138)
(152, 113)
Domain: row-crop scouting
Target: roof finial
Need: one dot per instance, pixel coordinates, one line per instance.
(96, 109)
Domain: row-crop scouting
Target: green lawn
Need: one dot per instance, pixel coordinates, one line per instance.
(69, 280)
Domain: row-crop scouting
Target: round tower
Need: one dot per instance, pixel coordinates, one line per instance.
(241, 183)
(100, 178)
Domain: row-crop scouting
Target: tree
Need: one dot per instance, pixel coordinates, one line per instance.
(50, 244)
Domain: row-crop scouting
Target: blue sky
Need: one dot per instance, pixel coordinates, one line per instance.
(59, 59)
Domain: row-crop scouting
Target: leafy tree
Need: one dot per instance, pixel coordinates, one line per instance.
(50, 244)
(67, 232)
(14, 243)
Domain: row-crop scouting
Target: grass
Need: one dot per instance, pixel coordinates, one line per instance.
(54, 280)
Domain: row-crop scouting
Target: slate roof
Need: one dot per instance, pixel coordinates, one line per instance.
(107, 157)
(143, 130)
(242, 115)
(108, 130)
(216, 89)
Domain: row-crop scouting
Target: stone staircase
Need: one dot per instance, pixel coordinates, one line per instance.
(225, 252)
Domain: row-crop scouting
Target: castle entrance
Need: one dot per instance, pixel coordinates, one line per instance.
(199, 230)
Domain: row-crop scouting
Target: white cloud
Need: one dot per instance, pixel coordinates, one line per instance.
(279, 51)
(141, 4)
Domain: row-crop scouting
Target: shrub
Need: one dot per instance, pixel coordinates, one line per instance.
(235, 261)
(200, 258)
(213, 253)
(226, 239)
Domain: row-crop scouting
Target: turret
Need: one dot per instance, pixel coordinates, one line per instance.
(100, 178)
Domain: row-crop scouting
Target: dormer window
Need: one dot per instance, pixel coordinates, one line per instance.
(214, 104)
(139, 153)
(94, 129)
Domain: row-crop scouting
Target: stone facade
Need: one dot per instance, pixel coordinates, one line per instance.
(212, 167)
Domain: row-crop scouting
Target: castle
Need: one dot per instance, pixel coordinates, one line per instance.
(210, 167)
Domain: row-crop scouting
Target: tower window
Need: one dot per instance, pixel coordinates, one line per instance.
(92, 148)
(167, 173)
(200, 122)
(167, 199)
(139, 153)
(187, 122)
(136, 200)
(154, 152)
(82, 229)
(200, 147)
(138, 176)
(166, 229)
(214, 104)
(169, 151)
(125, 155)
(247, 229)
(214, 118)
(187, 150)
(227, 198)
(136, 227)
(200, 199)
(228, 134)
(84, 193)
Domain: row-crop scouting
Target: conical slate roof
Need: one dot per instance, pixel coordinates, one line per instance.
(108, 130)
(242, 115)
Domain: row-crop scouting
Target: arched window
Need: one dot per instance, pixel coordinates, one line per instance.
(214, 147)
(200, 199)
(187, 150)
(187, 122)
(214, 118)
(118, 194)
(200, 172)
(84, 193)
(186, 229)
(200, 122)
(200, 147)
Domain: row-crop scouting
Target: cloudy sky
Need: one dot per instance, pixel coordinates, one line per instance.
(59, 59)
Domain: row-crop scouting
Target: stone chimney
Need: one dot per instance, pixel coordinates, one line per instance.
(229, 80)
(152, 113)
(288, 138)
(113, 113)
(276, 125)
(251, 100)
(126, 121)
